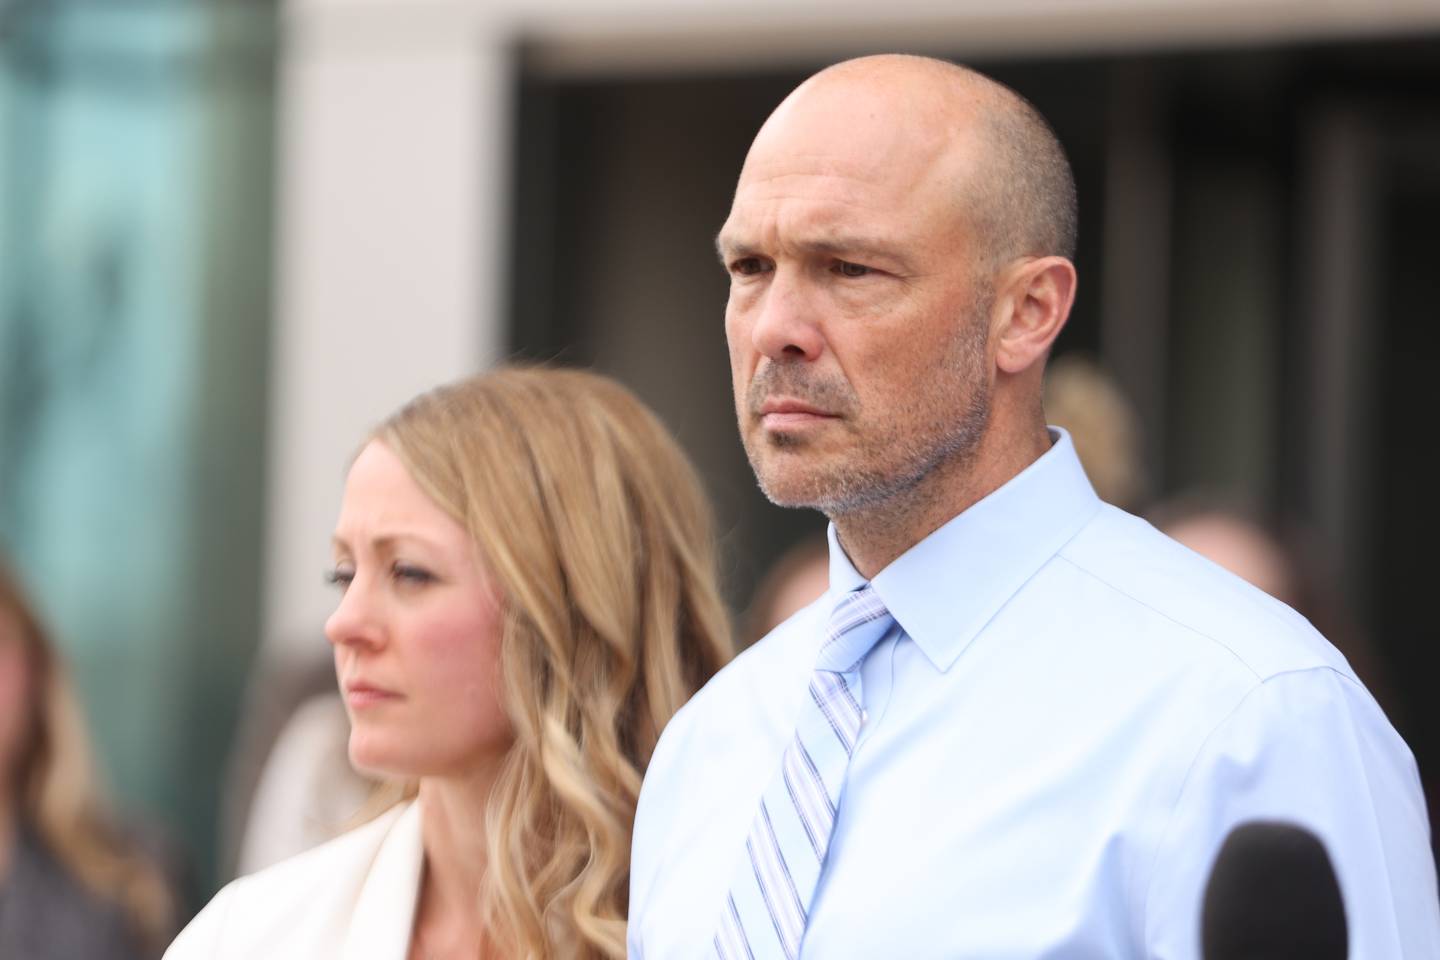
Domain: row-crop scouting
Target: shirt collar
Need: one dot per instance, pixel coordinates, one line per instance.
(947, 587)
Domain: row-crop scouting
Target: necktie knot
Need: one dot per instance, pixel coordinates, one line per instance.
(856, 624)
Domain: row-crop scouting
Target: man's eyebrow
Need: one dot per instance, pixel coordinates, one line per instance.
(850, 245)
(725, 248)
(840, 245)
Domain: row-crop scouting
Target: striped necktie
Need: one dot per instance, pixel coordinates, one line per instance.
(771, 893)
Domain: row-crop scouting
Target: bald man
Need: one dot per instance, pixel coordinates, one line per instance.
(1020, 722)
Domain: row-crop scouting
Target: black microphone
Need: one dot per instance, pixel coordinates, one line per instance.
(1273, 895)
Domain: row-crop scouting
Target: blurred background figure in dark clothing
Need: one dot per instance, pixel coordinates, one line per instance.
(70, 887)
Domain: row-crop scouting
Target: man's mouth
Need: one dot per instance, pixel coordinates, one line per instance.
(787, 413)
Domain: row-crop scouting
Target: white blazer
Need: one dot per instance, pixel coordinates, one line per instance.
(350, 899)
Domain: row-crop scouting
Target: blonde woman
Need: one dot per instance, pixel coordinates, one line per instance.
(69, 885)
(528, 593)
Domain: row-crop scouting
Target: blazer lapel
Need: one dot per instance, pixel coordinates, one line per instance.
(385, 909)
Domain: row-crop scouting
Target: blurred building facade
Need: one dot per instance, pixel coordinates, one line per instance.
(135, 208)
(457, 182)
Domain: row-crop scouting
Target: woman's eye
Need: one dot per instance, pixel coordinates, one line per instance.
(410, 574)
(339, 577)
(848, 269)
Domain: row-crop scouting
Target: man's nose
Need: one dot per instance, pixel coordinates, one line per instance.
(786, 325)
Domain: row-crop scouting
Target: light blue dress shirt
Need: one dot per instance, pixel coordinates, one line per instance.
(1072, 714)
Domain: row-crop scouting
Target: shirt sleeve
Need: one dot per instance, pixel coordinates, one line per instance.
(1310, 747)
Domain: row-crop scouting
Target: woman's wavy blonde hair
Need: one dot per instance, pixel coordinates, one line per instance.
(58, 792)
(596, 528)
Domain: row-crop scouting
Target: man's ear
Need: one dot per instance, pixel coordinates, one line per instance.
(1034, 297)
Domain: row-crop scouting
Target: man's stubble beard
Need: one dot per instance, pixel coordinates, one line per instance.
(882, 468)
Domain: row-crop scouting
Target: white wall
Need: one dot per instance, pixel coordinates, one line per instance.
(392, 192)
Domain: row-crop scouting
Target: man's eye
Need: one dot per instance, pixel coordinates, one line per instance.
(408, 574)
(848, 269)
(747, 266)
(340, 576)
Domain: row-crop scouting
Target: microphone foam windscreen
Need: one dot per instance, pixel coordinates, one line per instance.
(1273, 895)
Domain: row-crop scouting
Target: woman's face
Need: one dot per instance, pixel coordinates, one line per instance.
(417, 631)
(14, 695)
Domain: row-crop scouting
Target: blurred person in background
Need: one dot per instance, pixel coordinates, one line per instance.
(1282, 559)
(1082, 398)
(1279, 558)
(71, 888)
(528, 594)
(1237, 542)
(304, 789)
(794, 581)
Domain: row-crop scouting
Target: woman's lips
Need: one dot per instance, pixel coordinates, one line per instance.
(361, 695)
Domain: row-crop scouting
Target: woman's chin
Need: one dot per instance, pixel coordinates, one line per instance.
(381, 761)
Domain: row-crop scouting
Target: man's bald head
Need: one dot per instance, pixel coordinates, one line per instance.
(899, 256)
(1011, 180)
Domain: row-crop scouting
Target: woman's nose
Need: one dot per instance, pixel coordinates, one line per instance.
(356, 620)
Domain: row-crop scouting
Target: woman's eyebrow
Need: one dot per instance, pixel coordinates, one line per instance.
(383, 543)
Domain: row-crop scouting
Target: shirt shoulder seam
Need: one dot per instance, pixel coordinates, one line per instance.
(1243, 663)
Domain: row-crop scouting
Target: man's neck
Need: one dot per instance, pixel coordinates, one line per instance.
(876, 536)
